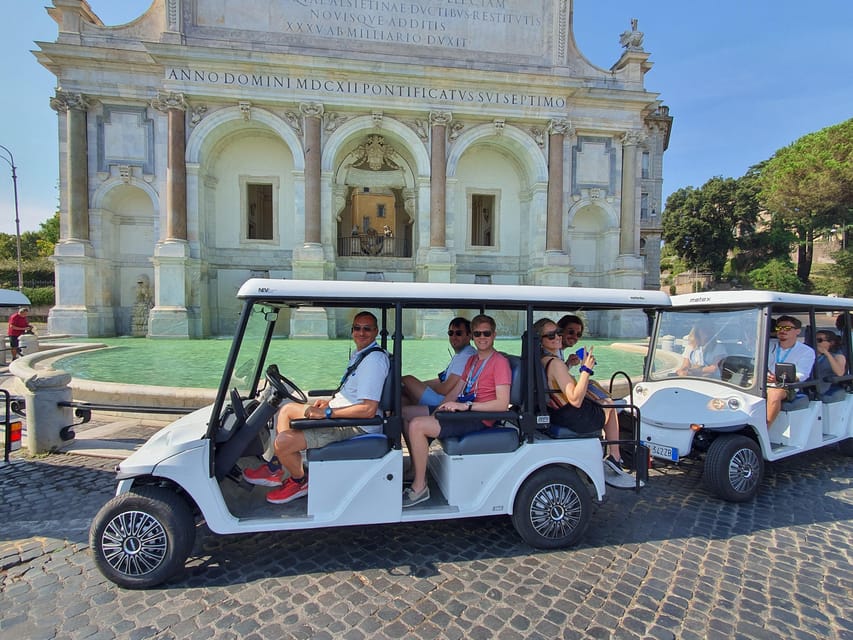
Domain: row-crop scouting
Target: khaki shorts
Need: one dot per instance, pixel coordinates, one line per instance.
(316, 438)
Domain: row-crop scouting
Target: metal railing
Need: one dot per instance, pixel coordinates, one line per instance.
(373, 245)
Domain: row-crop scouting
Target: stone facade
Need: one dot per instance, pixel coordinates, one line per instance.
(433, 140)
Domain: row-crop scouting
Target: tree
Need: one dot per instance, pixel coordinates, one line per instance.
(776, 275)
(700, 224)
(809, 184)
(48, 235)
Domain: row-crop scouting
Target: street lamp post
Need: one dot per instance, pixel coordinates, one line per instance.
(11, 161)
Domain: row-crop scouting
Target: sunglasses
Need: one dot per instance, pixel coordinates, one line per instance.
(456, 332)
(362, 327)
(572, 332)
(486, 334)
(787, 327)
(824, 340)
(551, 335)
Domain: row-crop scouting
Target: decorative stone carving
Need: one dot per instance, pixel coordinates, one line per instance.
(246, 110)
(561, 126)
(333, 121)
(456, 129)
(538, 136)
(124, 172)
(197, 113)
(377, 118)
(594, 194)
(632, 40)
(295, 122)
(65, 100)
(499, 123)
(441, 118)
(376, 154)
(421, 129)
(142, 306)
(311, 109)
(633, 138)
(166, 100)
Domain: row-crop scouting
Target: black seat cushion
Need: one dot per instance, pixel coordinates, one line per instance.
(492, 440)
(367, 446)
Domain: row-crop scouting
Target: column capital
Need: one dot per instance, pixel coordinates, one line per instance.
(67, 100)
(166, 100)
(440, 118)
(632, 138)
(311, 109)
(561, 127)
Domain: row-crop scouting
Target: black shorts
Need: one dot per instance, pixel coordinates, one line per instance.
(587, 418)
(458, 428)
(13, 341)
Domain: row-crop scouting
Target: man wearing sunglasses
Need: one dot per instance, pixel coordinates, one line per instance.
(357, 396)
(426, 396)
(483, 386)
(786, 349)
(571, 330)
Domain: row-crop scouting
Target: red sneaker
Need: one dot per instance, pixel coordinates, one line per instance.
(288, 492)
(264, 476)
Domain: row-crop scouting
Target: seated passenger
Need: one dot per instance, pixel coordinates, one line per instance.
(829, 362)
(702, 355)
(785, 348)
(357, 397)
(571, 330)
(424, 397)
(572, 407)
(483, 386)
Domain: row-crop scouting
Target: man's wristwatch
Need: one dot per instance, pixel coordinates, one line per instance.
(587, 369)
(470, 405)
(328, 412)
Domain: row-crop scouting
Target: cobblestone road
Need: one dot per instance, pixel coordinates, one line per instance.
(671, 562)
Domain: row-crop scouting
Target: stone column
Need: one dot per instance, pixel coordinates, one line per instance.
(170, 316)
(312, 115)
(78, 295)
(628, 244)
(557, 130)
(438, 177)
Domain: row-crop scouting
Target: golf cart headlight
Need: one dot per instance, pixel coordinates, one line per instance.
(734, 404)
(724, 404)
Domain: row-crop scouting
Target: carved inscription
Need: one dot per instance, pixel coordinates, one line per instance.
(505, 26)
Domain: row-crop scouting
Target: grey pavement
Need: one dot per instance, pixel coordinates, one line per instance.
(669, 562)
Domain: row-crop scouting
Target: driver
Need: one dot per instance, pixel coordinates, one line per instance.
(357, 397)
(786, 348)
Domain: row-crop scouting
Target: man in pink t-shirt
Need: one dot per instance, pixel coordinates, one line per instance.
(483, 386)
(18, 326)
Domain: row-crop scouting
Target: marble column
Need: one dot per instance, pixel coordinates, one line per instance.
(628, 244)
(170, 316)
(312, 115)
(554, 228)
(78, 296)
(438, 178)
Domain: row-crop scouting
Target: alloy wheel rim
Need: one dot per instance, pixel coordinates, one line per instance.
(555, 511)
(743, 470)
(134, 543)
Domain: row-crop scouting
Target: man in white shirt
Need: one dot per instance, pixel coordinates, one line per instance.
(786, 349)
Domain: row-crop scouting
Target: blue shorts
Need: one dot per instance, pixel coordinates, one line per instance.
(431, 398)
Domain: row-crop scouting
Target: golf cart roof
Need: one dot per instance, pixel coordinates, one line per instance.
(13, 298)
(441, 295)
(753, 298)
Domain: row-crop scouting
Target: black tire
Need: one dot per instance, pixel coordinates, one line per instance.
(846, 447)
(734, 468)
(552, 509)
(142, 538)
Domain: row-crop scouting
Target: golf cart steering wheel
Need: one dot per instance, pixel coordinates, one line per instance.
(284, 386)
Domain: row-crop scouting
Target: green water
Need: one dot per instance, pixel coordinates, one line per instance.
(311, 364)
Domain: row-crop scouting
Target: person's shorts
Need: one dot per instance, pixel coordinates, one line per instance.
(460, 428)
(587, 418)
(316, 438)
(13, 341)
(430, 398)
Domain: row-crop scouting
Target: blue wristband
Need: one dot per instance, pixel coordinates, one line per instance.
(587, 369)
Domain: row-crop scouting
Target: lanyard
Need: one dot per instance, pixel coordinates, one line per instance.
(473, 376)
(783, 354)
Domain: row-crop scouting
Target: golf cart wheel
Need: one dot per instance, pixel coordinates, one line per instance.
(846, 447)
(142, 538)
(734, 468)
(552, 509)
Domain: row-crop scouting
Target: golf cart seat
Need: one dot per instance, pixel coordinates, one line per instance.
(497, 439)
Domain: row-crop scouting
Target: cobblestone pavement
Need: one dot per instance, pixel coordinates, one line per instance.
(669, 562)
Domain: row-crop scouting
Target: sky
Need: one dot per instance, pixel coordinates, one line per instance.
(742, 79)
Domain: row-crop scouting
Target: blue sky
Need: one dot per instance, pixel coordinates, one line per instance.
(742, 78)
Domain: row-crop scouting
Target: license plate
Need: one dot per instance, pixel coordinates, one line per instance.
(660, 451)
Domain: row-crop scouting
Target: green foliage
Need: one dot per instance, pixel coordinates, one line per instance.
(48, 235)
(839, 278)
(40, 296)
(776, 275)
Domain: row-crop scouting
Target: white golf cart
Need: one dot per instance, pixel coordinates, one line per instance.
(719, 412)
(542, 475)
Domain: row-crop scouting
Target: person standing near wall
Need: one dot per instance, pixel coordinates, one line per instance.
(19, 324)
